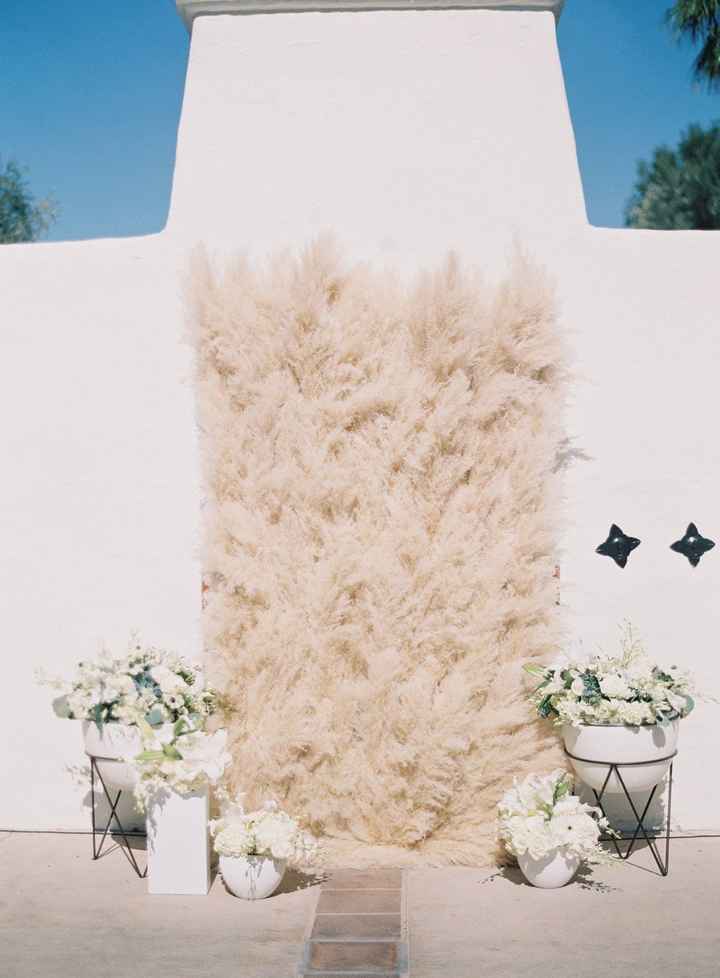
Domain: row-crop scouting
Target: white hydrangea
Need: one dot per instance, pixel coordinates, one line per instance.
(267, 832)
(236, 839)
(539, 815)
(634, 714)
(275, 833)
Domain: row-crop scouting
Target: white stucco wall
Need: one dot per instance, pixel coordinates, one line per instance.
(641, 315)
(407, 133)
(98, 495)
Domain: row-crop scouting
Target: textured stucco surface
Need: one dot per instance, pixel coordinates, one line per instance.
(99, 494)
(407, 133)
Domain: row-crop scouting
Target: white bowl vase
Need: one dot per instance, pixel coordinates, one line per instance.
(552, 871)
(108, 745)
(252, 877)
(621, 744)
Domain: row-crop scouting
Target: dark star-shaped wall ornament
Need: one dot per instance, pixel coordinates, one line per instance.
(618, 546)
(693, 545)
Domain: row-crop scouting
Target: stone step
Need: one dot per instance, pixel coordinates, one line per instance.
(381, 957)
(357, 927)
(359, 930)
(348, 974)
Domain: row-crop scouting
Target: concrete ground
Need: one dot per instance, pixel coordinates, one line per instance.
(64, 916)
(622, 921)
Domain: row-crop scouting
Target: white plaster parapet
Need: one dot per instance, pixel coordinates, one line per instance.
(190, 9)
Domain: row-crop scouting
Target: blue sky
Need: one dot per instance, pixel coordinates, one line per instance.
(90, 98)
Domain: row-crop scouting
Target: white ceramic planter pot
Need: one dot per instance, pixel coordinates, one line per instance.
(108, 745)
(622, 745)
(178, 843)
(550, 872)
(252, 877)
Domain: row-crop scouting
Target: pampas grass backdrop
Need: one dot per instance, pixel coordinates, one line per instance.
(380, 541)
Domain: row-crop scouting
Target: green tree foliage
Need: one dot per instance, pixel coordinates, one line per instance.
(699, 20)
(22, 217)
(679, 188)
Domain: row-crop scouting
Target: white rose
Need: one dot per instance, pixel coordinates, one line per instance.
(167, 680)
(614, 686)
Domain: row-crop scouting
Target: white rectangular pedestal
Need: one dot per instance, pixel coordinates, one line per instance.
(178, 844)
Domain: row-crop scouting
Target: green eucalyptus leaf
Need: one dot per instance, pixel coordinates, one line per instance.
(546, 709)
(591, 688)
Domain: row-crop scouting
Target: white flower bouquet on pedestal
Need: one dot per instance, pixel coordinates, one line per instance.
(174, 773)
(623, 708)
(256, 847)
(119, 698)
(628, 688)
(146, 683)
(549, 830)
(144, 717)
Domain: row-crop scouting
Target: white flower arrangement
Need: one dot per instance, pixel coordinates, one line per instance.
(628, 688)
(146, 685)
(540, 816)
(178, 758)
(266, 832)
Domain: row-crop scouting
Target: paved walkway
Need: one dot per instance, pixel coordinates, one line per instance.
(360, 928)
(621, 921)
(63, 916)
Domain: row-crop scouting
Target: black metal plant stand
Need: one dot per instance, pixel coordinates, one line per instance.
(650, 838)
(126, 835)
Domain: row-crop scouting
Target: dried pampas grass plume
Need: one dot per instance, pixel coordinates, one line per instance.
(380, 532)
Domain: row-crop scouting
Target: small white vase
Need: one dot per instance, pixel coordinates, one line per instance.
(108, 745)
(550, 872)
(252, 877)
(621, 744)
